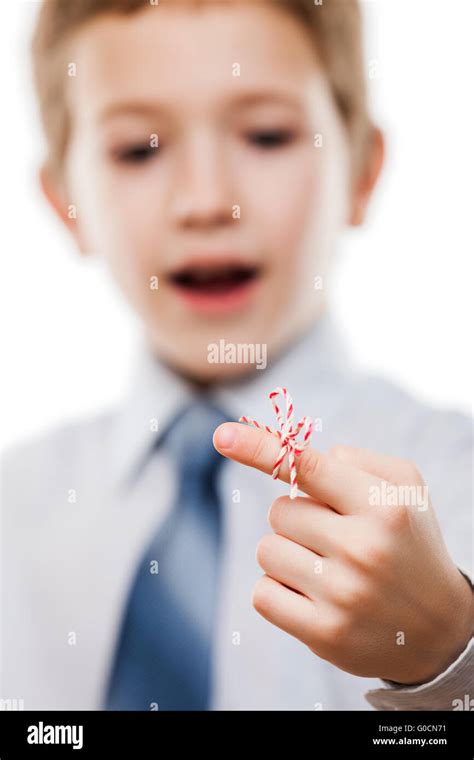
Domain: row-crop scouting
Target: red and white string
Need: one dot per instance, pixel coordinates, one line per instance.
(287, 434)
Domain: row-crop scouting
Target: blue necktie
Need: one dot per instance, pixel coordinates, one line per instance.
(163, 657)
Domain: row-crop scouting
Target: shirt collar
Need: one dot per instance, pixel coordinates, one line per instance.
(312, 369)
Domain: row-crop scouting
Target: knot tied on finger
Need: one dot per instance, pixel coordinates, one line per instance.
(287, 433)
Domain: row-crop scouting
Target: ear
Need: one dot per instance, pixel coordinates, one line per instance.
(55, 192)
(367, 178)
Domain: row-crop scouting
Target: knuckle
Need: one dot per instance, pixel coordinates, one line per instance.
(413, 474)
(337, 630)
(339, 451)
(311, 465)
(276, 511)
(368, 554)
(352, 552)
(260, 596)
(398, 517)
(264, 550)
(352, 598)
(376, 554)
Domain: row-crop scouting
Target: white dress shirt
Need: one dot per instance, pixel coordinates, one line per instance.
(80, 503)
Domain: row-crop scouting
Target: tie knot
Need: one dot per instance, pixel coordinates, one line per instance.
(189, 438)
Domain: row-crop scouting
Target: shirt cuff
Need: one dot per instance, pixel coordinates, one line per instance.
(449, 690)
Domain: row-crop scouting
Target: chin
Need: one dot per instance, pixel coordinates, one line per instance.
(209, 374)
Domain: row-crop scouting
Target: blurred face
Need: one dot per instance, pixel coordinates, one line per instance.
(198, 176)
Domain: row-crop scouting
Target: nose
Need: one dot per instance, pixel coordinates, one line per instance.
(202, 194)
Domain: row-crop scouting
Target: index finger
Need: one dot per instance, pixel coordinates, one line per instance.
(321, 476)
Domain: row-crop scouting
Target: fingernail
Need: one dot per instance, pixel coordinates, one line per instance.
(225, 436)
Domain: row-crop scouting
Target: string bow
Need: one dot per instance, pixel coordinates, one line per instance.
(287, 434)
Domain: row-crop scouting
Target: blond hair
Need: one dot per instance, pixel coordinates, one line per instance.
(335, 27)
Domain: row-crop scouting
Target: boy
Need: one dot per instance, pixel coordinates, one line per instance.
(214, 151)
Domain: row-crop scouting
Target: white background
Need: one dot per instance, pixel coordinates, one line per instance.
(403, 287)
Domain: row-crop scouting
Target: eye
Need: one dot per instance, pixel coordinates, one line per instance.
(271, 138)
(135, 154)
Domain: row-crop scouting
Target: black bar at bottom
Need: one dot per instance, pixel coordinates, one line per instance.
(369, 733)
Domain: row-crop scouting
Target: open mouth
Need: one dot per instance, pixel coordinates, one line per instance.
(214, 279)
(216, 288)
